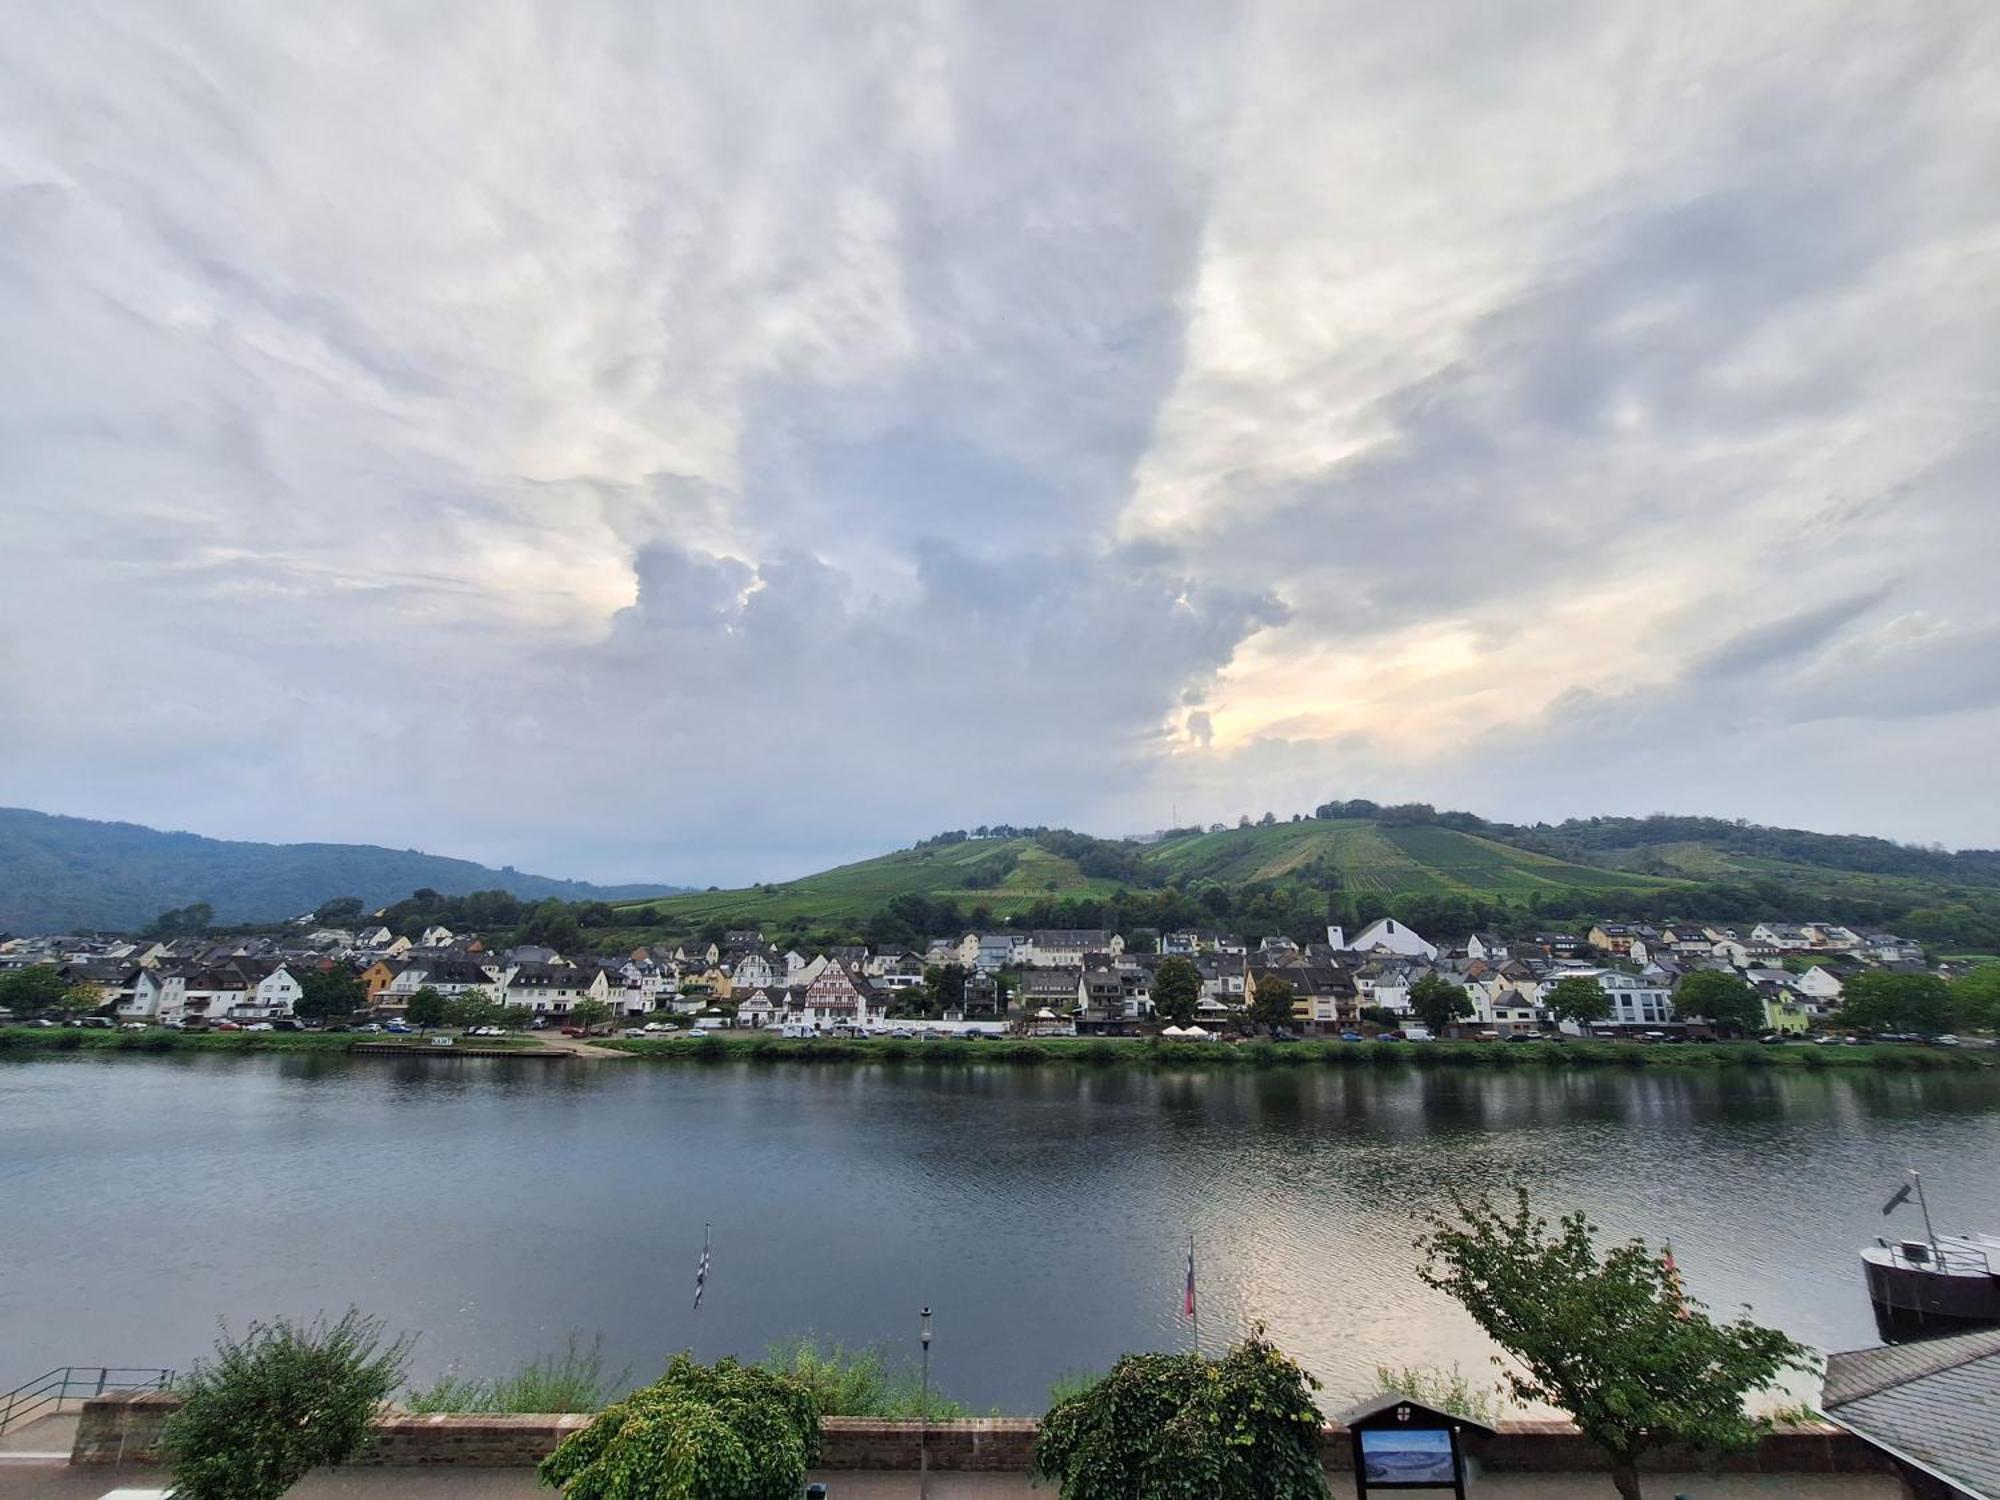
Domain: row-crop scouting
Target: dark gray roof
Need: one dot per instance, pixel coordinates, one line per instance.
(1935, 1404)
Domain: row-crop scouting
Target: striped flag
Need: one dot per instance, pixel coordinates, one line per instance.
(701, 1271)
(1898, 1199)
(1187, 1296)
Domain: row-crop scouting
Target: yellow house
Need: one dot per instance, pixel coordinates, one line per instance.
(1785, 1013)
(375, 979)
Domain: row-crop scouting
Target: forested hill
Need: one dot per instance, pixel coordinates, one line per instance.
(61, 873)
(1352, 861)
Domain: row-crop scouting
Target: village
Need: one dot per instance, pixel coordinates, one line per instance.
(1792, 977)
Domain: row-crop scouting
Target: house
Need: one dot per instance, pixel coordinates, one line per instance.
(1486, 945)
(754, 970)
(374, 937)
(1058, 989)
(982, 997)
(1064, 948)
(1223, 980)
(1635, 999)
(1391, 936)
(435, 936)
(1000, 950)
(1820, 983)
(1100, 998)
(1324, 997)
(1887, 948)
(758, 1010)
(837, 998)
(1618, 937)
(1783, 936)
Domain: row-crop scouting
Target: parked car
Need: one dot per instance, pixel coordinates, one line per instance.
(1350, 1036)
(105, 1023)
(287, 1023)
(371, 1027)
(260, 1026)
(44, 1022)
(698, 1031)
(654, 1028)
(635, 1031)
(903, 1034)
(574, 1031)
(487, 1031)
(133, 1026)
(397, 1028)
(227, 1026)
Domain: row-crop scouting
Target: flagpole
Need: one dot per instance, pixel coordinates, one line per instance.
(700, 1286)
(1194, 1298)
(1929, 1233)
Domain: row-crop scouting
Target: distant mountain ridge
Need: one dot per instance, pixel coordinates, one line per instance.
(60, 873)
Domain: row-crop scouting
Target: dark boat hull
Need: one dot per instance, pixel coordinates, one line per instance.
(1915, 1300)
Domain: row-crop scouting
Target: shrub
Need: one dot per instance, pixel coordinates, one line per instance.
(722, 1432)
(278, 1403)
(573, 1381)
(1447, 1392)
(857, 1383)
(1169, 1425)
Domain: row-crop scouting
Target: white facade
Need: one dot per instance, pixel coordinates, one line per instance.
(1635, 1000)
(1392, 936)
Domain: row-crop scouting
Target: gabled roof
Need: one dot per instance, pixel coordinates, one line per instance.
(1935, 1405)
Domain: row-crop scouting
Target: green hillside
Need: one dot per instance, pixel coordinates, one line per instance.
(1008, 875)
(58, 872)
(1363, 855)
(1004, 874)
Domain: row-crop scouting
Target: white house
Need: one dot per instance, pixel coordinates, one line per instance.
(1392, 936)
(836, 998)
(1820, 983)
(435, 937)
(276, 993)
(1635, 1000)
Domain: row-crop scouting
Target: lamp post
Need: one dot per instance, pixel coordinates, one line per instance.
(924, 1430)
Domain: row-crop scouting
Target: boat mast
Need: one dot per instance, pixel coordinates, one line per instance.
(1930, 1234)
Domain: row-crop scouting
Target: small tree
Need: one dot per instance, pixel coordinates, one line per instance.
(1578, 999)
(727, 1432)
(1878, 1001)
(1438, 1002)
(1611, 1339)
(1243, 1427)
(33, 990)
(328, 995)
(426, 1009)
(589, 1013)
(279, 1402)
(1723, 1000)
(1271, 1006)
(1176, 990)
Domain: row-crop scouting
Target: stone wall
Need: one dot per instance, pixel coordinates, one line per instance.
(126, 1429)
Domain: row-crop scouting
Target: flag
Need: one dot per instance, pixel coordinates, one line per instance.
(701, 1271)
(1900, 1197)
(1187, 1296)
(1674, 1279)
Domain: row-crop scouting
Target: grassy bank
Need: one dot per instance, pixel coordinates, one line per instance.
(67, 1039)
(1102, 1053)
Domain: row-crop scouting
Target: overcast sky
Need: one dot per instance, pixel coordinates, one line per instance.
(704, 442)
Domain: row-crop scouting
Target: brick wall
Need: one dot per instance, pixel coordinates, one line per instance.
(126, 1429)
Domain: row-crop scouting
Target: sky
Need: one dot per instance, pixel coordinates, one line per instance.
(706, 442)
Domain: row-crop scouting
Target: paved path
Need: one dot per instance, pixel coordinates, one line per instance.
(43, 1435)
(576, 1046)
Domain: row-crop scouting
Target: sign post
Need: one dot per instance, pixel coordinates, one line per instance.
(1403, 1445)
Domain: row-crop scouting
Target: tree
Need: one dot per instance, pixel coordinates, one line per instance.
(1609, 1338)
(1723, 1000)
(1975, 999)
(1243, 1427)
(589, 1013)
(473, 1008)
(944, 987)
(727, 1432)
(32, 991)
(328, 995)
(1271, 1006)
(1438, 1002)
(1380, 1015)
(181, 920)
(1881, 1001)
(426, 1009)
(342, 911)
(283, 1400)
(1176, 990)
(1578, 999)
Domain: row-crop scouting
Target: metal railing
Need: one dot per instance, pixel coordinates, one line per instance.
(1950, 1259)
(45, 1394)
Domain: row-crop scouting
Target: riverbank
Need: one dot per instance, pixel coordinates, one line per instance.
(38, 1039)
(1084, 1052)
(1104, 1052)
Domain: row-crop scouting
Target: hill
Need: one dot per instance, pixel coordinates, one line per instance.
(1013, 875)
(1353, 861)
(58, 873)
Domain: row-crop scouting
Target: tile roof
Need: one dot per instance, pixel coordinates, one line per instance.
(1935, 1404)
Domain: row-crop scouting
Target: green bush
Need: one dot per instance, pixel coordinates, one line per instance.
(857, 1383)
(279, 1402)
(722, 1432)
(1166, 1426)
(1451, 1392)
(573, 1381)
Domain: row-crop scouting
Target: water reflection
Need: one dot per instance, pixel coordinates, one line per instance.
(500, 1205)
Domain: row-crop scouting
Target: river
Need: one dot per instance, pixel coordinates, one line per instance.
(1043, 1214)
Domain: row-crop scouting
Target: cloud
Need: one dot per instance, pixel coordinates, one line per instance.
(701, 443)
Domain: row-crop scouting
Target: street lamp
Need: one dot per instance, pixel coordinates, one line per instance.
(924, 1431)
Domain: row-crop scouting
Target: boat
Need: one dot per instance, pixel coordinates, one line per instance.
(1941, 1283)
